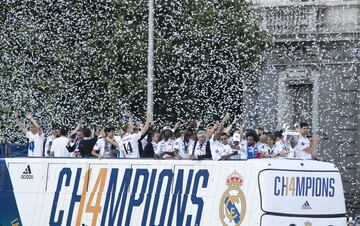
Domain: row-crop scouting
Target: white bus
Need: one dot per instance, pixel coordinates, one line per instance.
(84, 192)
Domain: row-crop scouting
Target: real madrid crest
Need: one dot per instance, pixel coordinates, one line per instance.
(232, 208)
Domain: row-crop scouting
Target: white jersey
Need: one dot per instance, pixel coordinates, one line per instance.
(103, 147)
(300, 146)
(243, 149)
(36, 144)
(119, 153)
(233, 149)
(263, 148)
(183, 147)
(218, 149)
(164, 146)
(48, 144)
(58, 147)
(279, 146)
(130, 145)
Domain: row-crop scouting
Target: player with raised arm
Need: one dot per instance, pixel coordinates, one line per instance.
(35, 135)
(130, 142)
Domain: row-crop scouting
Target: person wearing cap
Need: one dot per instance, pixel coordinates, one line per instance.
(165, 148)
(235, 147)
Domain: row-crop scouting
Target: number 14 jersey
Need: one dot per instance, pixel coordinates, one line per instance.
(130, 145)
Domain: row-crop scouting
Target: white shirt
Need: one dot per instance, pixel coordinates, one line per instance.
(36, 144)
(48, 143)
(164, 146)
(103, 147)
(279, 146)
(300, 146)
(58, 147)
(183, 147)
(119, 153)
(263, 148)
(130, 145)
(233, 149)
(218, 149)
(243, 149)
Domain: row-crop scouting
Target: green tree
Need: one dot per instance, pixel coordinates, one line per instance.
(71, 59)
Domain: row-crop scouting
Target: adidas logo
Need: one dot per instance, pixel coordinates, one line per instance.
(27, 173)
(306, 206)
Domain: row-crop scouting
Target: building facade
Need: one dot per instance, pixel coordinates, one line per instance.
(312, 74)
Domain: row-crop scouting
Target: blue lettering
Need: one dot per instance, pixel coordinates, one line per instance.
(283, 186)
(178, 193)
(137, 202)
(300, 186)
(110, 197)
(165, 173)
(74, 198)
(332, 187)
(196, 200)
(148, 197)
(276, 190)
(64, 172)
(308, 185)
(318, 186)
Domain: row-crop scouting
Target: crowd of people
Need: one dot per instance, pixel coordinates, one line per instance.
(220, 140)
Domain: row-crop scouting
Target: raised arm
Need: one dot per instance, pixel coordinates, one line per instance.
(78, 126)
(33, 121)
(228, 129)
(146, 128)
(19, 123)
(221, 126)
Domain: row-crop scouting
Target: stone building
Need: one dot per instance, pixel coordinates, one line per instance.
(312, 74)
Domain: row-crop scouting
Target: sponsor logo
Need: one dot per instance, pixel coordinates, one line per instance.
(27, 173)
(306, 206)
(232, 208)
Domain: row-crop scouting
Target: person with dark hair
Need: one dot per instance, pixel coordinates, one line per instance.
(151, 146)
(54, 133)
(251, 145)
(304, 149)
(218, 142)
(87, 143)
(260, 131)
(35, 135)
(58, 147)
(106, 145)
(280, 149)
(74, 147)
(165, 148)
(182, 144)
(270, 140)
